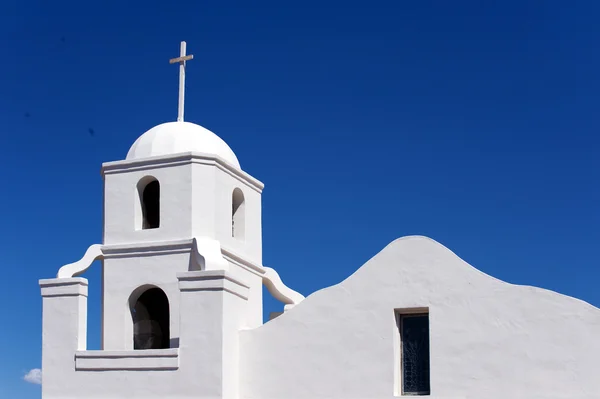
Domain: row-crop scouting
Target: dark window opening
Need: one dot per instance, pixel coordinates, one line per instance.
(151, 205)
(414, 335)
(151, 320)
(238, 214)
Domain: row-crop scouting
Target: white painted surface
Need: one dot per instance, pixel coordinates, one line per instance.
(129, 267)
(489, 339)
(196, 201)
(76, 268)
(280, 291)
(136, 360)
(182, 65)
(177, 137)
(64, 322)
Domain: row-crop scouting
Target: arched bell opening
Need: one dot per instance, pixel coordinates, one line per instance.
(238, 214)
(150, 315)
(148, 190)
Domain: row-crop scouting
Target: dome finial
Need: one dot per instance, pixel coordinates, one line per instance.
(181, 60)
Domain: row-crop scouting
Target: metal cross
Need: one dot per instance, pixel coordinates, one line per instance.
(181, 60)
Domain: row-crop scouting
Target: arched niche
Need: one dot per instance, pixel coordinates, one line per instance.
(150, 316)
(238, 214)
(148, 203)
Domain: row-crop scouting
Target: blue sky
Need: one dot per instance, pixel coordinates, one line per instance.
(474, 124)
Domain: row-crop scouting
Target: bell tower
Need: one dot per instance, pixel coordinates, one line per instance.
(176, 203)
(182, 272)
(179, 202)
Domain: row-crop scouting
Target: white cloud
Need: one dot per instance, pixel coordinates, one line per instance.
(34, 376)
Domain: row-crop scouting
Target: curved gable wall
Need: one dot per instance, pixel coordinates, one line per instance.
(488, 339)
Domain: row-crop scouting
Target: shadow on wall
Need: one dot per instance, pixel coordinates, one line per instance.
(94, 310)
(272, 307)
(238, 214)
(149, 308)
(148, 204)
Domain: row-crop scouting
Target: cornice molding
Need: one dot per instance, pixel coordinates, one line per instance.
(183, 158)
(147, 248)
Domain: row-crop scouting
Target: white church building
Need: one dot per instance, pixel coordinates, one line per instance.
(182, 306)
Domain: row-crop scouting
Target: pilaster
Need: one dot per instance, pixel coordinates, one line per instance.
(64, 330)
(213, 305)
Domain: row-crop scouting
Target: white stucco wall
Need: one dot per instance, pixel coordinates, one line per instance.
(195, 201)
(213, 281)
(225, 182)
(129, 268)
(121, 201)
(212, 306)
(489, 339)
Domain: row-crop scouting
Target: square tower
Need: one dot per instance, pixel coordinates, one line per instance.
(182, 274)
(179, 187)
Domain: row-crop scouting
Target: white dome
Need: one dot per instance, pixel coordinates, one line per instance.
(175, 137)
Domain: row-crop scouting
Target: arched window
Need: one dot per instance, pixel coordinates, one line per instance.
(150, 314)
(149, 194)
(238, 214)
